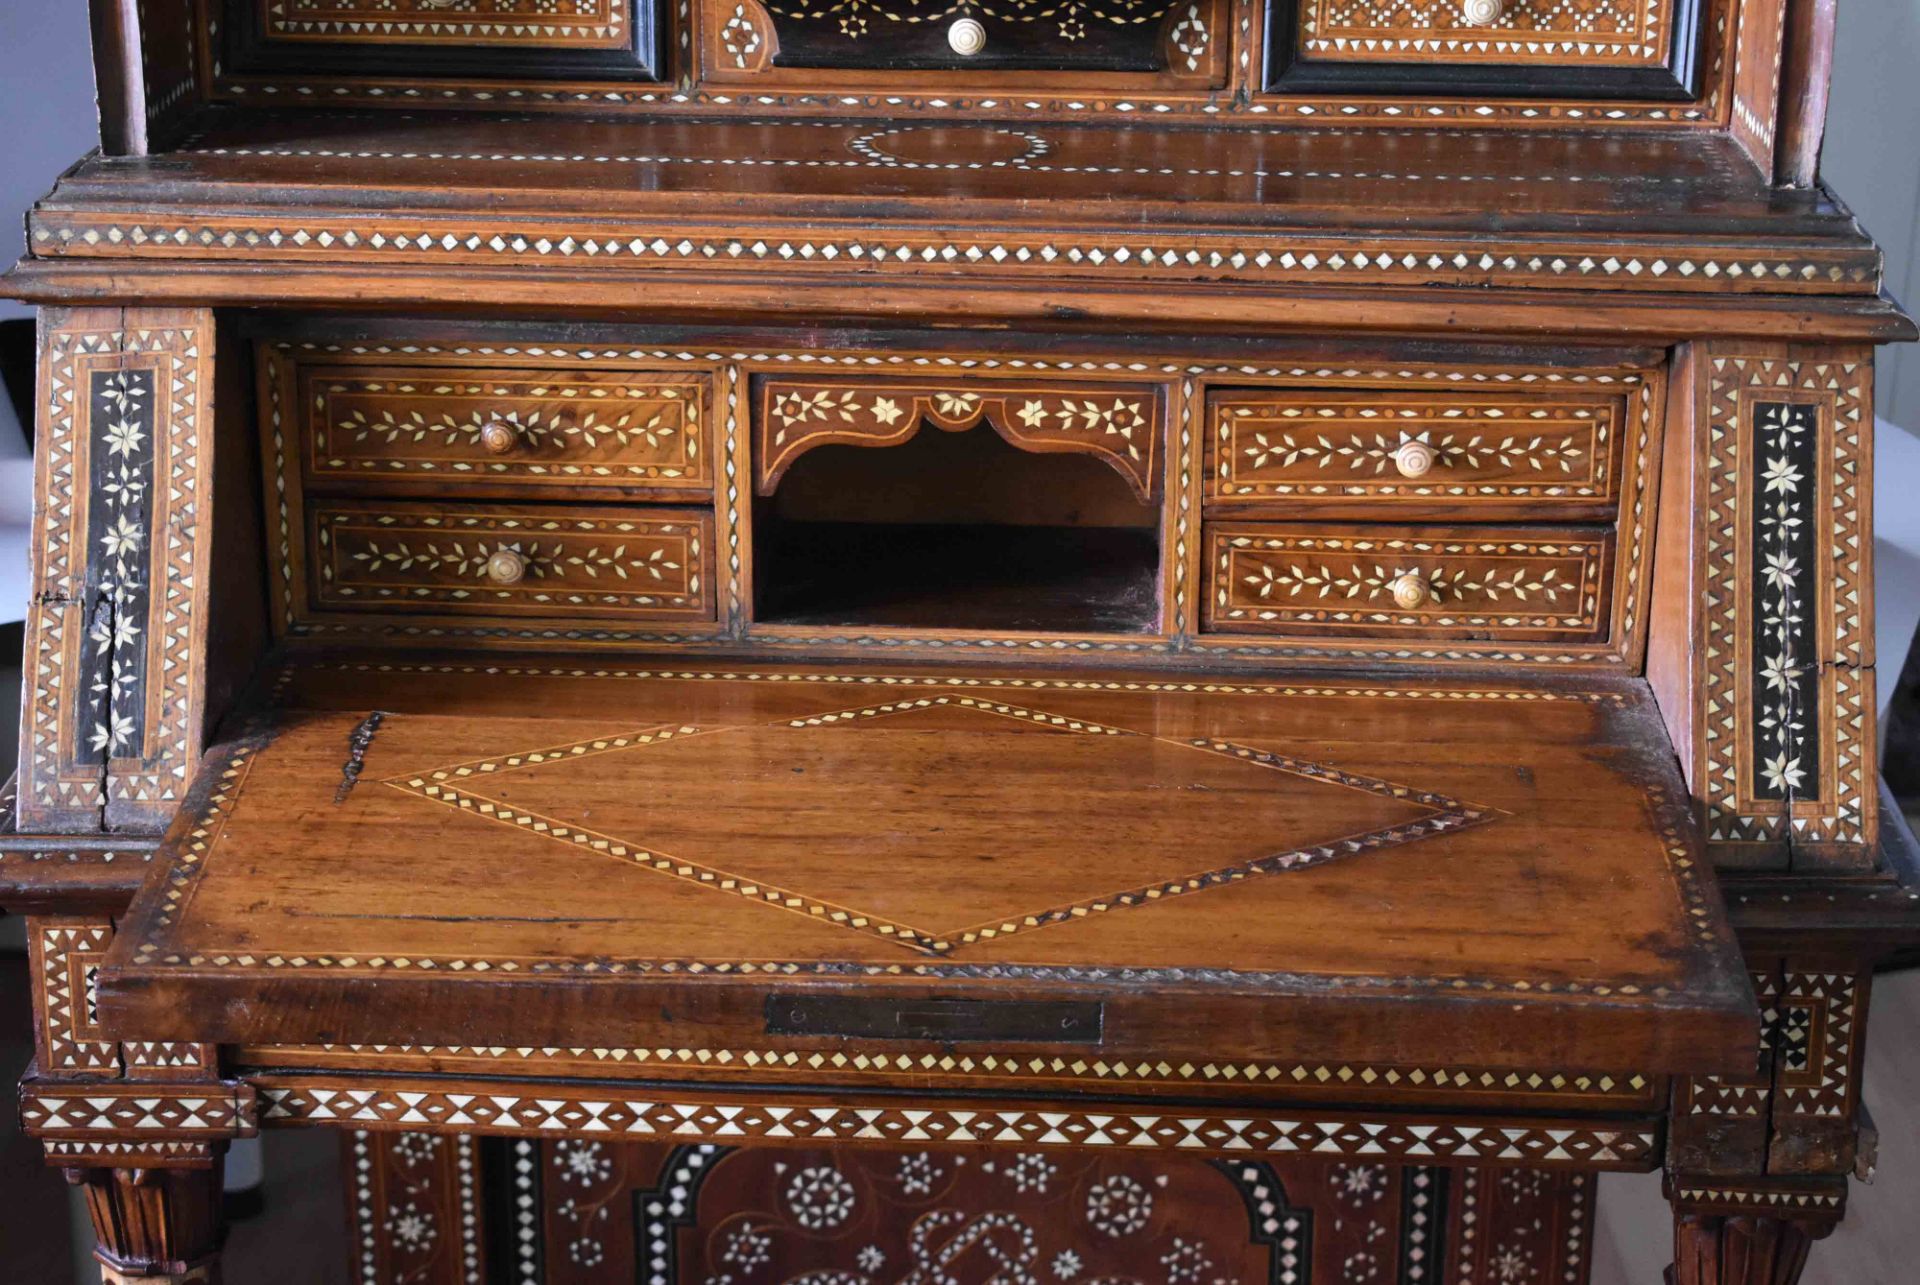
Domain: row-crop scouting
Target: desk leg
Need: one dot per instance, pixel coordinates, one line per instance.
(1742, 1249)
(1757, 1165)
(155, 1226)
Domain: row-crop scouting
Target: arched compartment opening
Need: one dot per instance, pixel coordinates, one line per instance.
(956, 530)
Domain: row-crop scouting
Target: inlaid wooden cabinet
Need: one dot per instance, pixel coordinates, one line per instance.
(884, 642)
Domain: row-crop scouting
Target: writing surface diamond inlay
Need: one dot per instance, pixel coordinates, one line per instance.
(942, 820)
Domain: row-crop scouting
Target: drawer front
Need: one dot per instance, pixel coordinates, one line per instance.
(1607, 33)
(920, 44)
(508, 561)
(563, 432)
(1468, 452)
(473, 39)
(512, 24)
(1515, 585)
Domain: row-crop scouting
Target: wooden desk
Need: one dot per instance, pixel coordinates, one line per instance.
(1228, 642)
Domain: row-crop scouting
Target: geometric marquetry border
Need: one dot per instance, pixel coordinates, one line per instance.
(1644, 389)
(1776, 617)
(1006, 253)
(66, 954)
(458, 786)
(1623, 1090)
(575, 1111)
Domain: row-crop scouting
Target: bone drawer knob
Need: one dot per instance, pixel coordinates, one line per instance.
(506, 567)
(1410, 591)
(1482, 13)
(499, 438)
(1413, 459)
(966, 37)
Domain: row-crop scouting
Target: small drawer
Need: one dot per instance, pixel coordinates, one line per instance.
(1514, 585)
(1466, 454)
(1129, 45)
(1631, 49)
(475, 39)
(506, 431)
(1550, 33)
(510, 561)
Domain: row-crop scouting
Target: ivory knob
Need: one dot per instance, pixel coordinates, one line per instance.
(498, 438)
(966, 37)
(1410, 591)
(507, 567)
(1414, 459)
(1482, 13)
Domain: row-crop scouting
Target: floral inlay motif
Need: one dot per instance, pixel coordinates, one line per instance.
(1118, 1206)
(1360, 1185)
(584, 1163)
(1376, 454)
(1784, 435)
(416, 1148)
(820, 1198)
(917, 1173)
(1031, 1171)
(123, 413)
(411, 1227)
(470, 561)
(1444, 585)
(1119, 425)
(747, 1247)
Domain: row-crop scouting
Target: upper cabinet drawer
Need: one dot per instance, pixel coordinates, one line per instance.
(1389, 452)
(459, 428)
(1126, 44)
(519, 39)
(1636, 48)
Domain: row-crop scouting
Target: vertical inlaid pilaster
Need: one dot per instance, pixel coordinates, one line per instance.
(1776, 606)
(112, 720)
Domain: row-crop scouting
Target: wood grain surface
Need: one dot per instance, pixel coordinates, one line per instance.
(550, 855)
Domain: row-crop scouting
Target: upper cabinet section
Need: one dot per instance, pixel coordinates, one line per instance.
(1561, 48)
(1503, 63)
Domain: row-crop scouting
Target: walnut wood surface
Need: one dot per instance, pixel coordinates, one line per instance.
(1260, 208)
(1227, 870)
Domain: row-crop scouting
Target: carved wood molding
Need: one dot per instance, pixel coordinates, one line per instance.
(1118, 424)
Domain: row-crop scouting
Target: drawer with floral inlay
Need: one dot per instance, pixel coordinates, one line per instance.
(1412, 452)
(629, 434)
(510, 562)
(1506, 584)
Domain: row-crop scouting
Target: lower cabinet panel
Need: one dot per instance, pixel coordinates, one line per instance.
(567, 1212)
